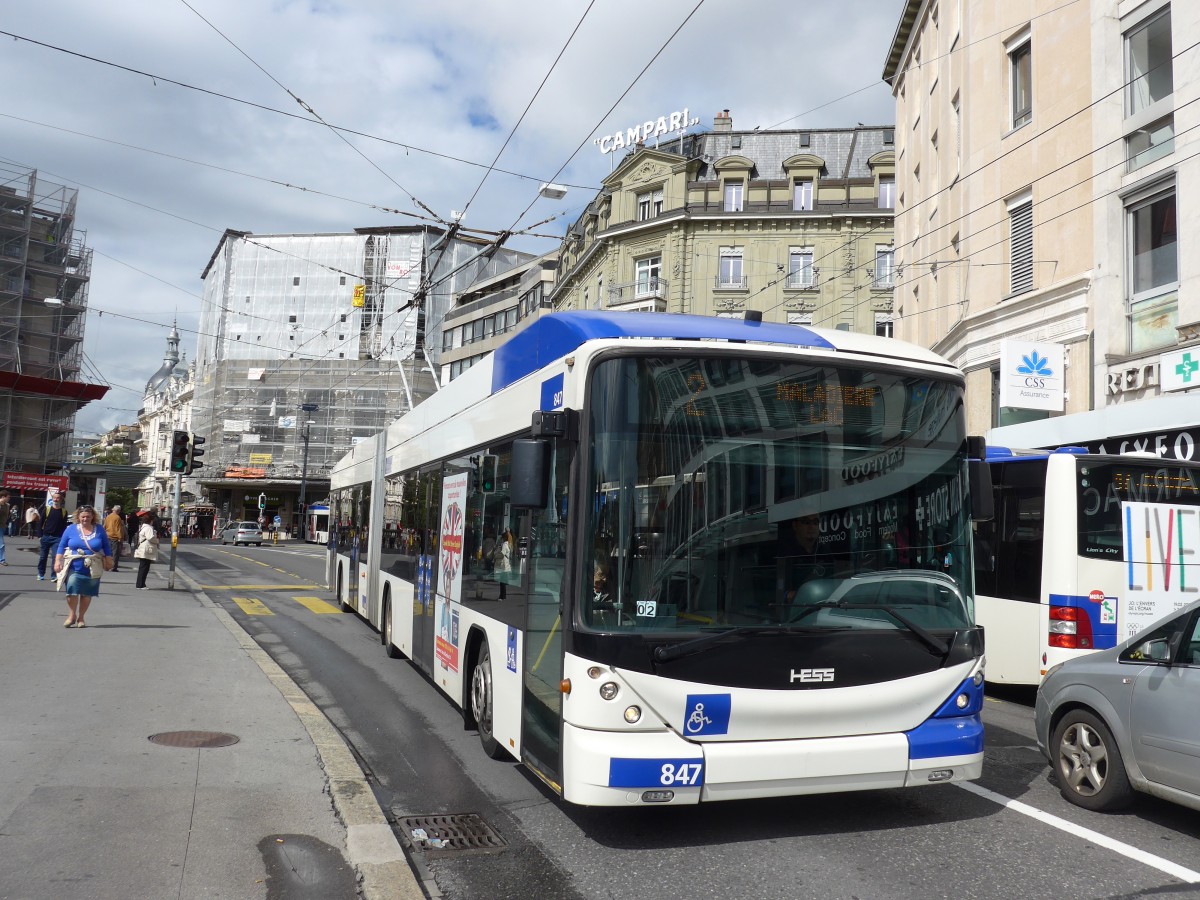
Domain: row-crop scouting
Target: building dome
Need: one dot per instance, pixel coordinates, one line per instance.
(170, 360)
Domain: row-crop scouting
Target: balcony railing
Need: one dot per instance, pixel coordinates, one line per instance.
(803, 280)
(643, 289)
(730, 282)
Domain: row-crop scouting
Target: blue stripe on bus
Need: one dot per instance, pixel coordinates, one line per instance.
(554, 335)
(935, 738)
(1104, 635)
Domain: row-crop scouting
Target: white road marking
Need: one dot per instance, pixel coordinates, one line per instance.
(1102, 840)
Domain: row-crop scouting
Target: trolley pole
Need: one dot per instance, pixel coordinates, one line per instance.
(174, 532)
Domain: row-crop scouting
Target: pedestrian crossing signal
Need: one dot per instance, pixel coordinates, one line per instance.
(180, 447)
(193, 451)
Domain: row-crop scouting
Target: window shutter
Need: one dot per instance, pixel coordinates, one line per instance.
(1020, 224)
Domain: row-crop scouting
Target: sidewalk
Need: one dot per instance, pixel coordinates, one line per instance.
(91, 808)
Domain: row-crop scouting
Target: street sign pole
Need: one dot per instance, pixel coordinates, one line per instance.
(174, 533)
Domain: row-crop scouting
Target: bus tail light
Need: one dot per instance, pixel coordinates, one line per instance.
(1070, 628)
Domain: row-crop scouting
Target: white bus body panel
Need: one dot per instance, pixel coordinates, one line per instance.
(402, 598)
(1013, 634)
(778, 743)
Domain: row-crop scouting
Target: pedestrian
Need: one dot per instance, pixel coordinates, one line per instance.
(147, 547)
(4, 514)
(75, 560)
(114, 527)
(54, 523)
(14, 517)
(32, 519)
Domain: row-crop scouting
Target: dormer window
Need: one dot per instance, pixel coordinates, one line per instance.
(802, 194)
(735, 196)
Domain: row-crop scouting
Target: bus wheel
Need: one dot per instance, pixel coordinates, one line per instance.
(385, 633)
(1088, 764)
(481, 702)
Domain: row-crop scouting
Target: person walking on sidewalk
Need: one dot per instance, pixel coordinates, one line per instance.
(114, 527)
(4, 514)
(147, 546)
(54, 523)
(32, 518)
(80, 541)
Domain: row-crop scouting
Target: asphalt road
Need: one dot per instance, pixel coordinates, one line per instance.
(1008, 835)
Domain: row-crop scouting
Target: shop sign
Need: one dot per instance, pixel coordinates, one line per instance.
(1179, 371)
(644, 131)
(1179, 444)
(1031, 375)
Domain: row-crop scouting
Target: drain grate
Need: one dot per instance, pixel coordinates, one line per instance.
(202, 740)
(451, 835)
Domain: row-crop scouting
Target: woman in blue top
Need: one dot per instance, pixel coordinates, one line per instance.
(87, 539)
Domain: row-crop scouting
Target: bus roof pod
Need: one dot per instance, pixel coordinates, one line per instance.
(554, 335)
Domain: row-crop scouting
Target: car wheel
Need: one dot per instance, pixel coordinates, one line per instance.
(481, 702)
(259, 544)
(1088, 763)
(385, 634)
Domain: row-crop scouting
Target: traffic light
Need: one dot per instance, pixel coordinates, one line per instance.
(193, 451)
(487, 474)
(180, 441)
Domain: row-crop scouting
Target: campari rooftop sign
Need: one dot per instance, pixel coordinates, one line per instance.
(651, 129)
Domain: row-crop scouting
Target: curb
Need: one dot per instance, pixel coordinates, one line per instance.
(371, 845)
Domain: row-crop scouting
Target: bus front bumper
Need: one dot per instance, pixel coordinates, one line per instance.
(604, 768)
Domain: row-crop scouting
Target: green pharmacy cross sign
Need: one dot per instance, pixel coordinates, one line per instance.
(1187, 368)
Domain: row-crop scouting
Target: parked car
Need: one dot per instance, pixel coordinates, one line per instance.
(242, 533)
(1125, 719)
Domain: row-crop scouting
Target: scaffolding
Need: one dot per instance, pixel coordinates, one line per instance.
(45, 267)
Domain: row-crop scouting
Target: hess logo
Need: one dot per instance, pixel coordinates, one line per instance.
(811, 676)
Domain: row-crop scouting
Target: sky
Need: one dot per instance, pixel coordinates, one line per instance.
(434, 91)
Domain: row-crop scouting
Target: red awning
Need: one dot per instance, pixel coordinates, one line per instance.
(52, 387)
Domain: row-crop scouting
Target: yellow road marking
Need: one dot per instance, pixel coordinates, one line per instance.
(252, 606)
(317, 605)
(261, 587)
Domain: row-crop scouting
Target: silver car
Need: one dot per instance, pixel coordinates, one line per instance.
(1127, 719)
(242, 533)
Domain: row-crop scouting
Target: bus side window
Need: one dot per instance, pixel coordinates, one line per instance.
(1020, 516)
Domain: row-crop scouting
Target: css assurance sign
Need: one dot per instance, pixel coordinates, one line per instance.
(1031, 375)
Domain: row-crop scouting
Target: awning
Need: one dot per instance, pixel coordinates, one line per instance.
(52, 387)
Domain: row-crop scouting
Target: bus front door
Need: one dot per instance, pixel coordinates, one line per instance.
(541, 701)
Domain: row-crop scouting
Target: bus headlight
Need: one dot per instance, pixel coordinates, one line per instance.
(595, 672)
(609, 690)
(633, 714)
(978, 679)
(962, 701)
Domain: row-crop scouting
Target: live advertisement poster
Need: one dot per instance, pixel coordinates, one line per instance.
(1162, 546)
(450, 559)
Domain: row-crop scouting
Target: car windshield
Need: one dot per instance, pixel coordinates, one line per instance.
(727, 492)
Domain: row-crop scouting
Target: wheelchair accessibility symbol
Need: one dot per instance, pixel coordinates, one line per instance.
(707, 714)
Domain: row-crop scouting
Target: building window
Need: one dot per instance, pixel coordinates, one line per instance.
(796, 318)
(885, 267)
(649, 205)
(800, 268)
(291, 318)
(1153, 271)
(887, 193)
(802, 194)
(734, 196)
(1148, 64)
(296, 281)
(730, 273)
(1020, 245)
(342, 280)
(343, 317)
(1020, 59)
(883, 324)
(1149, 110)
(648, 271)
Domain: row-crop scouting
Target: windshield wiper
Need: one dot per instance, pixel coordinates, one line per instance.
(668, 652)
(931, 640)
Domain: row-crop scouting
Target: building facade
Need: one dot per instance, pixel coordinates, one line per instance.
(309, 342)
(1042, 152)
(45, 267)
(794, 224)
(166, 407)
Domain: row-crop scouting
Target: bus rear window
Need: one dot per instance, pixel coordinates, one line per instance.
(1105, 486)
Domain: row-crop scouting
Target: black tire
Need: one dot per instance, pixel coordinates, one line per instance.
(481, 702)
(1088, 764)
(385, 631)
(259, 544)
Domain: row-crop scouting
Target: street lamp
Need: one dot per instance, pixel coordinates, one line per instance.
(307, 407)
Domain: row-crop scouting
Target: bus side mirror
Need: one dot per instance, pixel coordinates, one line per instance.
(979, 477)
(529, 474)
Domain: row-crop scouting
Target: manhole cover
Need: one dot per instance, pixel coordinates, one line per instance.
(194, 739)
(444, 835)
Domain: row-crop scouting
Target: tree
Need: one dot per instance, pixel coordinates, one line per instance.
(114, 455)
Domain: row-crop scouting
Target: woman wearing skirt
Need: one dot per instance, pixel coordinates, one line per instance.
(80, 541)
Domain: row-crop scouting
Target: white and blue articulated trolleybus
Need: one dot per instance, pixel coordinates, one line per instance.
(664, 559)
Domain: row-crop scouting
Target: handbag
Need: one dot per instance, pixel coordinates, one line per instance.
(125, 550)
